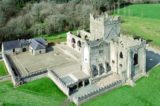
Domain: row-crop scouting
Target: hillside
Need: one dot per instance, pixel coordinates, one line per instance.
(142, 20)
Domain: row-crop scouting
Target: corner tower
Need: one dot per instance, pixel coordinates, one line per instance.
(104, 26)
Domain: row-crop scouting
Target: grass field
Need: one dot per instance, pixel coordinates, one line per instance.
(145, 93)
(3, 70)
(41, 92)
(44, 92)
(142, 20)
(57, 38)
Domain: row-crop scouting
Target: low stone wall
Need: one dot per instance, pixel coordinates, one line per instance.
(34, 76)
(10, 71)
(54, 77)
(5, 78)
(96, 92)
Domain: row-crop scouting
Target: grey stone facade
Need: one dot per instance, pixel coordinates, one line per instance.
(106, 52)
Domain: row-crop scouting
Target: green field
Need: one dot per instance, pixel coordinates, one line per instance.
(142, 20)
(58, 37)
(41, 92)
(145, 93)
(3, 70)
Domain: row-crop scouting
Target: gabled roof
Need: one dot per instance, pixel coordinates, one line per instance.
(41, 40)
(36, 45)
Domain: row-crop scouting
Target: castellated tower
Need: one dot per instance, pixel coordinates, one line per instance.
(104, 26)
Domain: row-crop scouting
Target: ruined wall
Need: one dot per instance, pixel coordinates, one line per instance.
(95, 59)
(75, 42)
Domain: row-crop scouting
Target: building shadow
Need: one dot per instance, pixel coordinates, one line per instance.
(152, 59)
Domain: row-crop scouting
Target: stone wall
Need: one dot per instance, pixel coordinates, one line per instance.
(74, 42)
(35, 75)
(53, 76)
(10, 71)
(40, 51)
(83, 98)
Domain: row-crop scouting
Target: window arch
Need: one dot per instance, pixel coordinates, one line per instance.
(121, 55)
(73, 40)
(135, 59)
(79, 43)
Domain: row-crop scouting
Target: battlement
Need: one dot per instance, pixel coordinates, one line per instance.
(104, 26)
(104, 18)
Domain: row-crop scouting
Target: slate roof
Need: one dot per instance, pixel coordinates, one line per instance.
(37, 45)
(40, 40)
(11, 44)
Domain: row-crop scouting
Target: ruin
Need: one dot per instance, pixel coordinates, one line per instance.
(91, 63)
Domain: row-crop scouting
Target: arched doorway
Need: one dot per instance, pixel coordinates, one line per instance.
(24, 50)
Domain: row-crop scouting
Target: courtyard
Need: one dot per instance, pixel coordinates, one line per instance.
(27, 64)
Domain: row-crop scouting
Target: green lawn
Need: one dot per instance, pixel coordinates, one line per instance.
(57, 38)
(44, 92)
(41, 92)
(3, 70)
(142, 10)
(145, 93)
(142, 20)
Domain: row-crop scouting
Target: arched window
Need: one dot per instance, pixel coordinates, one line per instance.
(79, 35)
(94, 70)
(101, 69)
(121, 55)
(86, 37)
(135, 59)
(79, 43)
(73, 40)
(108, 68)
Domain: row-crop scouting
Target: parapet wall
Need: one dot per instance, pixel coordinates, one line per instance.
(53, 76)
(10, 71)
(96, 92)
